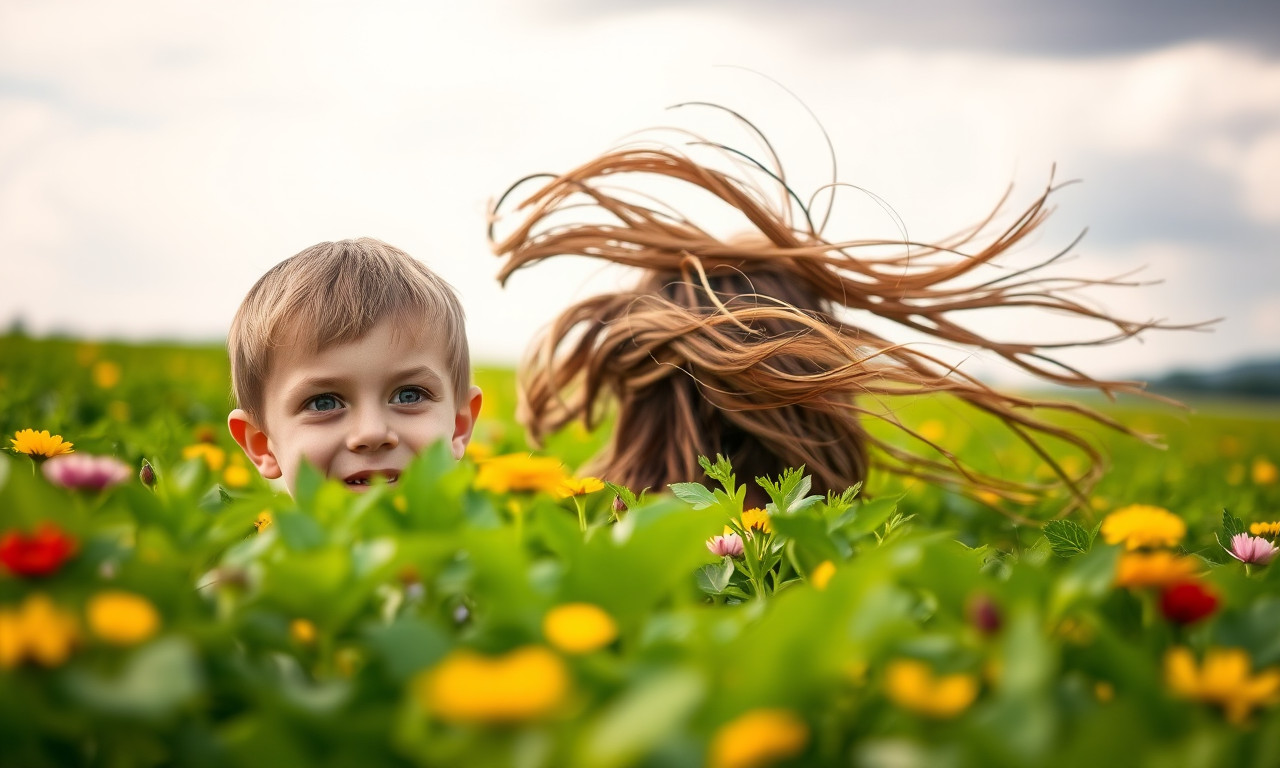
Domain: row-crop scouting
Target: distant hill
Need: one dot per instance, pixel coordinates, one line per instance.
(1255, 378)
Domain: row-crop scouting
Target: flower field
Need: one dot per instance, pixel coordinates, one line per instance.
(160, 604)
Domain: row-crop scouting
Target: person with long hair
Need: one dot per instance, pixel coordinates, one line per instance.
(750, 345)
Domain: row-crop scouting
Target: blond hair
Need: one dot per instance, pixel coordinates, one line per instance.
(334, 293)
(742, 346)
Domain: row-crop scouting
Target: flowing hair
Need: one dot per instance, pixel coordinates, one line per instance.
(744, 346)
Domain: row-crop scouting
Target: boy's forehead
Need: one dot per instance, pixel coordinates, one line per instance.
(303, 355)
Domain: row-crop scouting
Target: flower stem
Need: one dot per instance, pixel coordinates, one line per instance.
(582, 515)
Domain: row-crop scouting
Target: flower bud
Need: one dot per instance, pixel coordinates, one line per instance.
(984, 614)
(619, 506)
(147, 474)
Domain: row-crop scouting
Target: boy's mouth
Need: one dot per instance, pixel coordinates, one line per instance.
(365, 479)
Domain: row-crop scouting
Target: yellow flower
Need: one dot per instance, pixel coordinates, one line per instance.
(1267, 530)
(519, 472)
(758, 738)
(1264, 472)
(40, 443)
(822, 574)
(578, 486)
(478, 451)
(122, 618)
(989, 498)
(1104, 691)
(1222, 680)
(1154, 569)
(579, 627)
(263, 522)
(213, 456)
(912, 685)
(118, 410)
(106, 374)
(933, 430)
(1235, 474)
(302, 631)
(38, 630)
(755, 519)
(1139, 525)
(236, 476)
(525, 684)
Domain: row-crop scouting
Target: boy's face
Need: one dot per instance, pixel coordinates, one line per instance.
(357, 410)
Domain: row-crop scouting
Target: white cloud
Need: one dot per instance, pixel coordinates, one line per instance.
(193, 147)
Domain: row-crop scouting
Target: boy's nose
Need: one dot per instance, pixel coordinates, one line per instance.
(370, 432)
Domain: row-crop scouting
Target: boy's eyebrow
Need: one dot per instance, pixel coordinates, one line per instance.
(310, 384)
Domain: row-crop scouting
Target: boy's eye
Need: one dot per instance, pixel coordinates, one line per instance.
(409, 396)
(323, 403)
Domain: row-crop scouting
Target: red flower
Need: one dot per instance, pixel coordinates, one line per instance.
(39, 554)
(1187, 602)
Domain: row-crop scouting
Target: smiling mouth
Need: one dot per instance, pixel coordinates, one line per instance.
(365, 479)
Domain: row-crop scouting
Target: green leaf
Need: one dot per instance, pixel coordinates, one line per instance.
(629, 499)
(694, 494)
(299, 531)
(1067, 538)
(156, 680)
(721, 471)
(870, 515)
(1231, 526)
(714, 577)
(642, 718)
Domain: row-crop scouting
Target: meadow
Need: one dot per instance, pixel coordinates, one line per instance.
(506, 611)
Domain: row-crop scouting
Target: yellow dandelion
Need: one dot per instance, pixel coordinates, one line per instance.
(758, 738)
(1266, 530)
(1141, 525)
(755, 519)
(39, 444)
(579, 627)
(118, 410)
(302, 631)
(38, 630)
(263, 521)
(578, 486)
(1235, 474)
(1154, 569)
(1223, 680)
(214, 457)
(478, 451)
(1263, 472)
(912, 685)
(122, 618)
(990, 498)
(525, 684)
(822, 574)
(106, 374)
(236, 476)
(932, 430)
(520, 472)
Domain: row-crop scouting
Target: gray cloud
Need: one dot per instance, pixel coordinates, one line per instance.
(1082, 28)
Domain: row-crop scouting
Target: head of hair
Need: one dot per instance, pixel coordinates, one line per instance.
(745, 346)
(334, 293)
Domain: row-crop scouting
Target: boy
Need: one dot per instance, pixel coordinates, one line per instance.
(352, 356)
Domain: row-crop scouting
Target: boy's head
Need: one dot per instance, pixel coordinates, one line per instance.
(353, 356)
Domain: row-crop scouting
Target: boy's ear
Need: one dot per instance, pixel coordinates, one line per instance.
(253, 441)
(465, 421)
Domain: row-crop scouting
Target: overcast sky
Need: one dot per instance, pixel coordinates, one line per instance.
(157, 157)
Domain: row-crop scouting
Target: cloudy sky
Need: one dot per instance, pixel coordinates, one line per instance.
(157, 157)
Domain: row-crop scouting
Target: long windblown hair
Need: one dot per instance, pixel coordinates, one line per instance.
(747, 346)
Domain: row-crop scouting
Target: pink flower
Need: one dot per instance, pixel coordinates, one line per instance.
(729, 544)
(1252, 549)
(83, 471)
